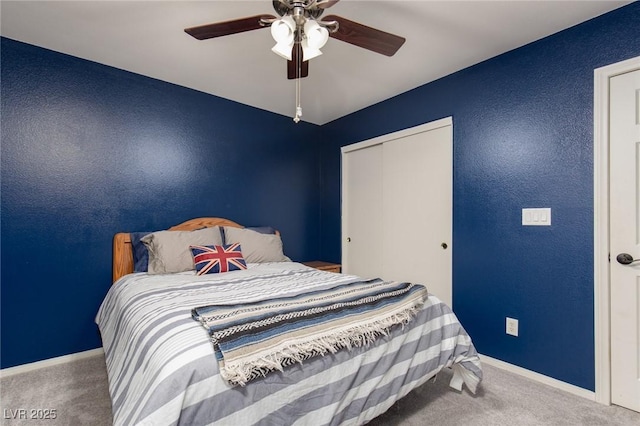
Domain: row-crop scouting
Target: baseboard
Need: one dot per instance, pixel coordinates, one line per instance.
(558, 384)
(24, 368)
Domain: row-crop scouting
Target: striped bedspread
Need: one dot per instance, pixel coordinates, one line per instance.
(162, 366)
(251, 340)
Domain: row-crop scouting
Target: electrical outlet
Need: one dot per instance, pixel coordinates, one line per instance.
(512, 326)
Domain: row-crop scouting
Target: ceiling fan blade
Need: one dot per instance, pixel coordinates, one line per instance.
(204, 32)
(366, 37)
(292, 67)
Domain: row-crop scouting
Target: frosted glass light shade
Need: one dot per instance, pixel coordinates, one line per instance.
(283, 30)
(316, 35)
(283, 49)
(309, 52)
(315, 38)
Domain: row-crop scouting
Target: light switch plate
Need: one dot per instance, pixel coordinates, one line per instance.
(536, 217)
(512, 326)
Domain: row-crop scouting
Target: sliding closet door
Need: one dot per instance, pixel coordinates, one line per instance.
(417, 210)
(397, 207)
(362, 212)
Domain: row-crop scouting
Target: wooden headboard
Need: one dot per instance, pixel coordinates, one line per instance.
(123, 253)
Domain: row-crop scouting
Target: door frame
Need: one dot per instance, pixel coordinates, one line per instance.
(601, 264)
(432, 125)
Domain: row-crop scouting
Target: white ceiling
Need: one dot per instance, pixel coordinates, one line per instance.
(147, 37)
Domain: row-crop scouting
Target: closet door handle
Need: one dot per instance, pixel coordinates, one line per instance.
(348, 239)
(444, 246)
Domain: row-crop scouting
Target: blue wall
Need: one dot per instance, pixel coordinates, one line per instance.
(523, 137)
(89, 150)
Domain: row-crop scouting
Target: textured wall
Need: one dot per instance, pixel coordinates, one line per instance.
(89, 150)
(523, 137)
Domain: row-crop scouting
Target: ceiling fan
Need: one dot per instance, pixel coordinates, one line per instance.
(300, 33)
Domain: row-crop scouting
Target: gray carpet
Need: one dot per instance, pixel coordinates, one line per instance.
(78, 392)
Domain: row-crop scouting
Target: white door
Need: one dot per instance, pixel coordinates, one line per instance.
(624, 125)
(362, 225)
(397, 207)
(417, 188)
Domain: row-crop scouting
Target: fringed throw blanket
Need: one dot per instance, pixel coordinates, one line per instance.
(250, 340)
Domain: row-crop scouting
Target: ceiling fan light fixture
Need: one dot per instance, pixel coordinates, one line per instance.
(315, 34)
(309, 52)
(283, 30)
(284, 50)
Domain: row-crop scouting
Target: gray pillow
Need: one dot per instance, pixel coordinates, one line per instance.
(256, 247)
(169, 250)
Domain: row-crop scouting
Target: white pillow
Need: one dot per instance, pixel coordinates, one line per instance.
(169, 250)
(256, 247)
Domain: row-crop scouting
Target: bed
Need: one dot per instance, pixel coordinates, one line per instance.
(164, 367)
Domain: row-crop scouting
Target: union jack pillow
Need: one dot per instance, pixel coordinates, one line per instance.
(216, 259)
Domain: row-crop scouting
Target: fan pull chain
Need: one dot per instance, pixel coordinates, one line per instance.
(296, 118)
(298, 106)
